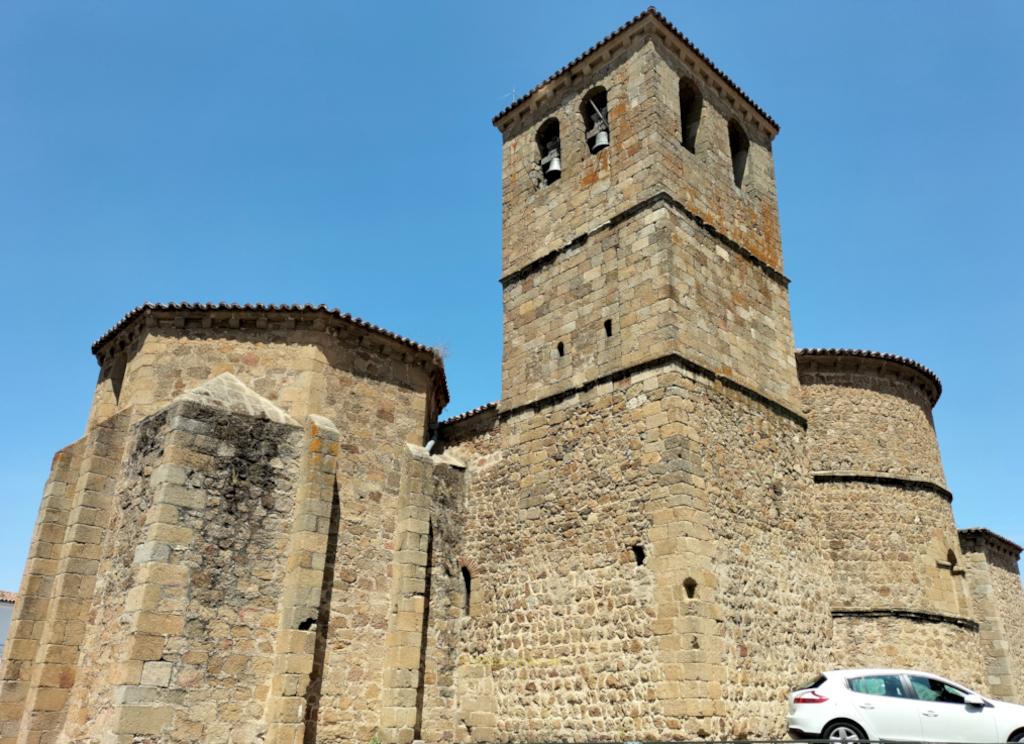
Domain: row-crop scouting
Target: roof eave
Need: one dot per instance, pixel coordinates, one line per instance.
(139, 313)
(835, 353)
(652, 20)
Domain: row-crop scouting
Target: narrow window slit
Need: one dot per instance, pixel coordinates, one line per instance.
(561, 349)
(639, 554)
(690, 104)
(608, 328)
(467, 590)
(739, 146)
(691, 587)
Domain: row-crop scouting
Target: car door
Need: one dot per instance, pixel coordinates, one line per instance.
(885, 706)
(944, 715)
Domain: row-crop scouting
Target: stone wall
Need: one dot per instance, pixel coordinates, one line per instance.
(428, 600)
(889, 547)
(303, 360)
(769, 559)
(872, 416)
(92, 707)
(185, 611)
(901, 592)
(938, 647)
(993, 573)
(380, 391)
(37, 590)
(663, 285)
(645, 157)
(875, 460)
(1010, 601)
(571, 637)
(36, 705)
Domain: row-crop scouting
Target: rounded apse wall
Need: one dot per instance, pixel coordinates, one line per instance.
(877, 471)
(901, 598)
(870, 413)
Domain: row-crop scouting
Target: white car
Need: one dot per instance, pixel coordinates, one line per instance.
(899, 705)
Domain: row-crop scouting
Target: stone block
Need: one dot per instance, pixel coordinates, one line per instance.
(142, 719)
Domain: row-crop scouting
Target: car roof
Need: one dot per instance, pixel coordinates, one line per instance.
(847, 673)
(873, 670)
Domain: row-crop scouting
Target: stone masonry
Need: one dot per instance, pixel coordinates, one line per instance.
(670, 519)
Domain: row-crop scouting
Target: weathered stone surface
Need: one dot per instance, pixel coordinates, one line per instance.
(903, 596)
(993, 571)
(227, 392)
(570, 636)
(874, 418)
(937, 647)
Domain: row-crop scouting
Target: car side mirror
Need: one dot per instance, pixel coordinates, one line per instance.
(976, 700)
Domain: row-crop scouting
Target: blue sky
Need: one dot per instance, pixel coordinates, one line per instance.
(342, 153)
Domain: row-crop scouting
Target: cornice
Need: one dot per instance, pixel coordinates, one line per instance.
(810, 361)
(651, 19)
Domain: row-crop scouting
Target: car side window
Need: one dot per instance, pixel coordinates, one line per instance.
(937, 691)
(888, 685)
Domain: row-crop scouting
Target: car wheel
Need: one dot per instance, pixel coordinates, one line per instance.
(843, 731)
(1017, 736)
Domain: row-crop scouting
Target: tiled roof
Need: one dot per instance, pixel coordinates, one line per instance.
(333, 313)
(258, 307)
(990, 535)
(468, 414)
(650, 12)
(8, 597)
(878, 355)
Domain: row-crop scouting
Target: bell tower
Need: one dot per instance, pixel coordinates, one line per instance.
(640, 224)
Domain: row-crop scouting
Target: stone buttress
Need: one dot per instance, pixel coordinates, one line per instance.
(993, 575)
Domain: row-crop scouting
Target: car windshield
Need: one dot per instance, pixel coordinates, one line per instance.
(937, 691)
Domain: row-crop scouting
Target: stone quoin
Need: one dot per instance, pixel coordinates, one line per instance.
(670, 519)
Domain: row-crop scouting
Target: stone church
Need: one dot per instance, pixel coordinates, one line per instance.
(670, 519)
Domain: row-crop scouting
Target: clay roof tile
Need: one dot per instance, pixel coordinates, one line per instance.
(269, 308)
(468, 414)
(988, 534)
(654, 13)
(254, 307)
(879, 355)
